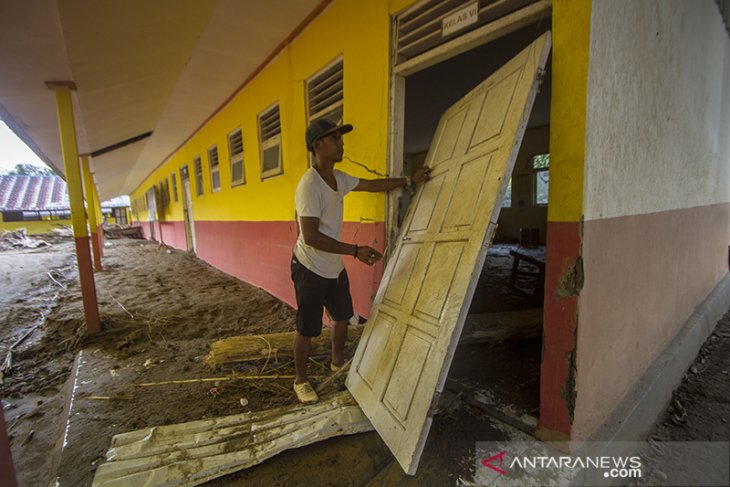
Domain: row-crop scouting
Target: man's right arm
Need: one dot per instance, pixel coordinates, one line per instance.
(314, 238)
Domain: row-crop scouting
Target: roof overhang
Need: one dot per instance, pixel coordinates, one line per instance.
(163, 67)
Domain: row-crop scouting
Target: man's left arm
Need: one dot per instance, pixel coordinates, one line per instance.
(422, 174)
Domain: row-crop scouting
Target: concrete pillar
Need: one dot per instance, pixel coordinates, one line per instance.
(99, 217)
(90, 196)
(67, 132)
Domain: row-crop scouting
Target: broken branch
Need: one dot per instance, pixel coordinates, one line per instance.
(218, 379)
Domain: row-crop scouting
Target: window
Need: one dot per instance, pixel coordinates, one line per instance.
(150, 203)
(235, 151)
(325, 95)
(166, 194)
(12, 216)
(541, 166)
(270, 142)
(198, 176)
(507, 199)
(160, 192)
(174, 186)
(215, 174)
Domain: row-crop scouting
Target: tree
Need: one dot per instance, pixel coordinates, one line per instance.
(30, 170)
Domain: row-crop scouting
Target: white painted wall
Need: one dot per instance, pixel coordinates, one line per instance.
(658, 115)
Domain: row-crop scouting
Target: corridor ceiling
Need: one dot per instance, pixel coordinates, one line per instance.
(162, 66)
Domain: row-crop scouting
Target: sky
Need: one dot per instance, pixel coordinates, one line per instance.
(13, 151)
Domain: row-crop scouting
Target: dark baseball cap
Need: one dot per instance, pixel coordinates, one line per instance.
(322, 127)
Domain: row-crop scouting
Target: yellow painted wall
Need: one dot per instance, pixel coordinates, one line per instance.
(571, 36)
(35, 227)
(359, 31)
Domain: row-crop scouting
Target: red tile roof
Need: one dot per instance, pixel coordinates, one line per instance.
(32, 193)
(37, 193)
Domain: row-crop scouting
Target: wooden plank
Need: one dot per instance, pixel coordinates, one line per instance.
(498, 327)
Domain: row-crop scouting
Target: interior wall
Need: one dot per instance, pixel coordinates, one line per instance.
(657, 188)
(524, 212)
(432, 91)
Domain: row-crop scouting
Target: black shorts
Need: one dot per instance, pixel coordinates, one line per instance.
(314, 293)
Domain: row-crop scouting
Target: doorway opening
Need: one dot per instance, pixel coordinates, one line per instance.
(498, 367)
(187, 204)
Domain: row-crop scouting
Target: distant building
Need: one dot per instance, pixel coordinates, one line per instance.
(40, 203)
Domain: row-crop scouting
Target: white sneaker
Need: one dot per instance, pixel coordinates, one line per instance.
(305, 393)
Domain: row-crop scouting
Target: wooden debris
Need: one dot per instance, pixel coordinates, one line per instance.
(8, 362)
(55, 281)
(193, 453)
(275, 346)
(478, 328)
(109, 398)
(498, 327)
(345, 367)
(122, 231)
(220, 379)
(19, 240)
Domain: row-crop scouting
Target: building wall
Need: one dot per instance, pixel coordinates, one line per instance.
(248, 231)
(657, 188)
(34, 227)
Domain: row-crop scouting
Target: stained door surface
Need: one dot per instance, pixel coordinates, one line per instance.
(403, 357)
(188, 215)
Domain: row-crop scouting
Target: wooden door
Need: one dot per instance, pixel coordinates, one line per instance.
(403, 357)
(188, 215)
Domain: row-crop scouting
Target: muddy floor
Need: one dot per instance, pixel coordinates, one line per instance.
(162, 308)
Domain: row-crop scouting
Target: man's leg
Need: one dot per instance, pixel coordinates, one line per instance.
(339, 337)
(339, 305)
(302, 345)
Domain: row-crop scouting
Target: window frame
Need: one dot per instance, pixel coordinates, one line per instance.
(336, 107)
(239, 157)
(198, 172)
(313, 80)
(508, 189)
(214, 169)
(173, 178)
(536, 174)
(270, 142)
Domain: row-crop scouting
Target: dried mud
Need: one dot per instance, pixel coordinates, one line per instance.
(162, 308)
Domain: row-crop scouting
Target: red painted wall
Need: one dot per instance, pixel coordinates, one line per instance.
(260, 253)
(557, 382)
(173, 234)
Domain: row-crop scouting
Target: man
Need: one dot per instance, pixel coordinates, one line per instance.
(319, 275)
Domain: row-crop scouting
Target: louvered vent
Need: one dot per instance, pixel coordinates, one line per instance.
(270, 142)
(198, 176)
(434, 22)
(235, 151)
(174, 186)
(215, 175)
(325, 94)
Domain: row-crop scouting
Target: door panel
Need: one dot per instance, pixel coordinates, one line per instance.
(404, 354)
(188, 215)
